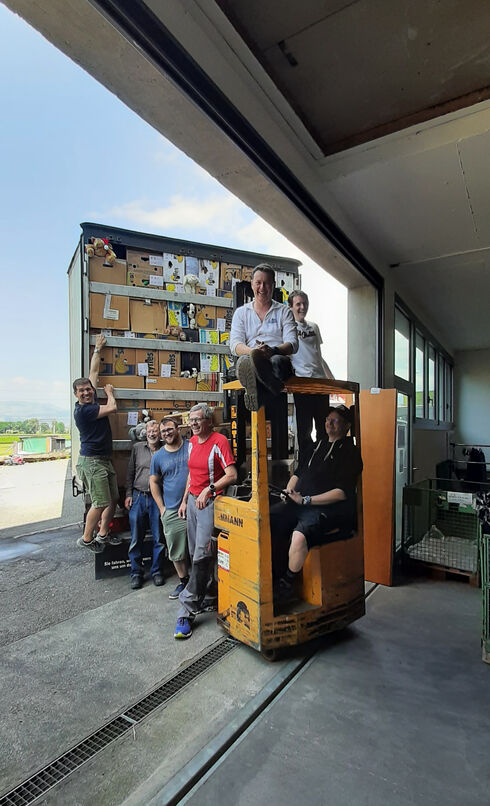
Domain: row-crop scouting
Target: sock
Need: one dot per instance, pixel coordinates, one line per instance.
(291, 575)
(184, 580)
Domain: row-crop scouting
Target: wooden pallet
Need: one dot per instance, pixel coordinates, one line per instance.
(445, 573)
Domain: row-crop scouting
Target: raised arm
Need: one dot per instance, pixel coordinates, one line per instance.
(100, 342)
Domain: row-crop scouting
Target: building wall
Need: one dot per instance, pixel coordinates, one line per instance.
(472, 397)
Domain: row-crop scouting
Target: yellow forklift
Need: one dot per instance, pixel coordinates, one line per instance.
(332, 588)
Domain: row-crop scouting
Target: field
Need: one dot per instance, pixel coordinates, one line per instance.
(7, 441)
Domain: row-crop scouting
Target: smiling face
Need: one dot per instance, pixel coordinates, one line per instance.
(169, 432)
(262, 286)
(85, 393)
(299, 308)
(152, 433)
(336, 426)
(201, 427)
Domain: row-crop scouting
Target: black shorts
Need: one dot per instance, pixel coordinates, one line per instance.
(315, 523)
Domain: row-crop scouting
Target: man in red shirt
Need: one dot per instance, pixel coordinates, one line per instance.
(211, 470)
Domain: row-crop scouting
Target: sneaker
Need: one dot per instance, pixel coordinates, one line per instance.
(264, 372)
(246, 375)
(109, 539)
(158, 580)
(178, 590)
(92, 545)
(183, 628)
(136, 583)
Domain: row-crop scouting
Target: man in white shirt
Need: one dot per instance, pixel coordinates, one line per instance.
(263, 335)
(308, 363)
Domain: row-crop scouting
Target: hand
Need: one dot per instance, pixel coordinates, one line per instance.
(202, 498)
(182, 510)
(109, 389)
(265, 348)
(296, 497)
(100, 341)
(162, 512)
(128, 502)
(289, 488)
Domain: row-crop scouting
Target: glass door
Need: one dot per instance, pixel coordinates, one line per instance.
(402, 450)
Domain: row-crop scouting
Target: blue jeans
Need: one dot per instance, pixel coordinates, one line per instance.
(144, 510)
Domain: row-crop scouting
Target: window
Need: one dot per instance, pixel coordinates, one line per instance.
(431, 388)
(423, 370)
(419, 375)
(402, 345)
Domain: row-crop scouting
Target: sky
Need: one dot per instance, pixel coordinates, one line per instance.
(73, 152)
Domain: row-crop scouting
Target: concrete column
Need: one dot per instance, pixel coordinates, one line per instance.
(361, 335)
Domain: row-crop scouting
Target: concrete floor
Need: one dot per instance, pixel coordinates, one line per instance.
(395, 709)
(397, 714)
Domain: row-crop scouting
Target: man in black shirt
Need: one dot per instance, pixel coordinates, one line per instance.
(320, 498)
(94, 467)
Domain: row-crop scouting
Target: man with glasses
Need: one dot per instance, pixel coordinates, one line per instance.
(319, 503)
(211, 470)
(142, 509)
(168, 477)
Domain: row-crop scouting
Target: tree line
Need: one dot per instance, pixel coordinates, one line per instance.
(33, 426)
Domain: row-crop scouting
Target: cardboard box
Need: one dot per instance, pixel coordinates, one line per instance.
(149, 357)
(247, 272)
(120, 463)
(99, 273)
(116, 361)
(172, 358)
(181, 384)
(173, 268)
(206, 316)
(119, 424)
(109, 311)
(208, 274)
(124, 405)
(146, 278)
(124, 381)
(228, 273)
(140, 260)
(147, 316)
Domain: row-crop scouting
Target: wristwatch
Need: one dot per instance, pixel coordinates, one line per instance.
(213, 490)
(306, 500)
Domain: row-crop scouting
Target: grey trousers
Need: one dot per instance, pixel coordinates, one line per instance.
(202, 550)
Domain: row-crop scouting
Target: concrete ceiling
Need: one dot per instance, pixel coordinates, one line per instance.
(395, 95)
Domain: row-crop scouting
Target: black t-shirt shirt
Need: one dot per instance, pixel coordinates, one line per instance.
(95, 435)
(328, 466)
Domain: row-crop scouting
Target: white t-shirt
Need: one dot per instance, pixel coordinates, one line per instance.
(307, 362)
(277, 328)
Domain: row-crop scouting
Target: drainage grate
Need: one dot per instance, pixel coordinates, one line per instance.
(39, 783)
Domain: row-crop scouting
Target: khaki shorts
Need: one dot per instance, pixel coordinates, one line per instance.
(99, 479)
(175, 531)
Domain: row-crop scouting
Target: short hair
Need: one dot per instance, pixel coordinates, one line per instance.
(173, 420)
(151, 422)
(82, 382)
(294, 294)
(266, 269)
(207, 412)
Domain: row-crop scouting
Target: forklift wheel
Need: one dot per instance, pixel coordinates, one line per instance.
(272, 655)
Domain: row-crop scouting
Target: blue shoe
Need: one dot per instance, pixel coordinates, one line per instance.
(177, 591)
(183, 628)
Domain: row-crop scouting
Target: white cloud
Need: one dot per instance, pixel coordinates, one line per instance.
(217, 213)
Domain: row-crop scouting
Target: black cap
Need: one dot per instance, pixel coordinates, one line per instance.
(346, 413)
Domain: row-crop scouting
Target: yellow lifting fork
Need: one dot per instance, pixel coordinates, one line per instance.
(332, 592)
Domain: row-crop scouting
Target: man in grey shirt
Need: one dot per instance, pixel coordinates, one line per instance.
(143, 509)
(263, 335)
